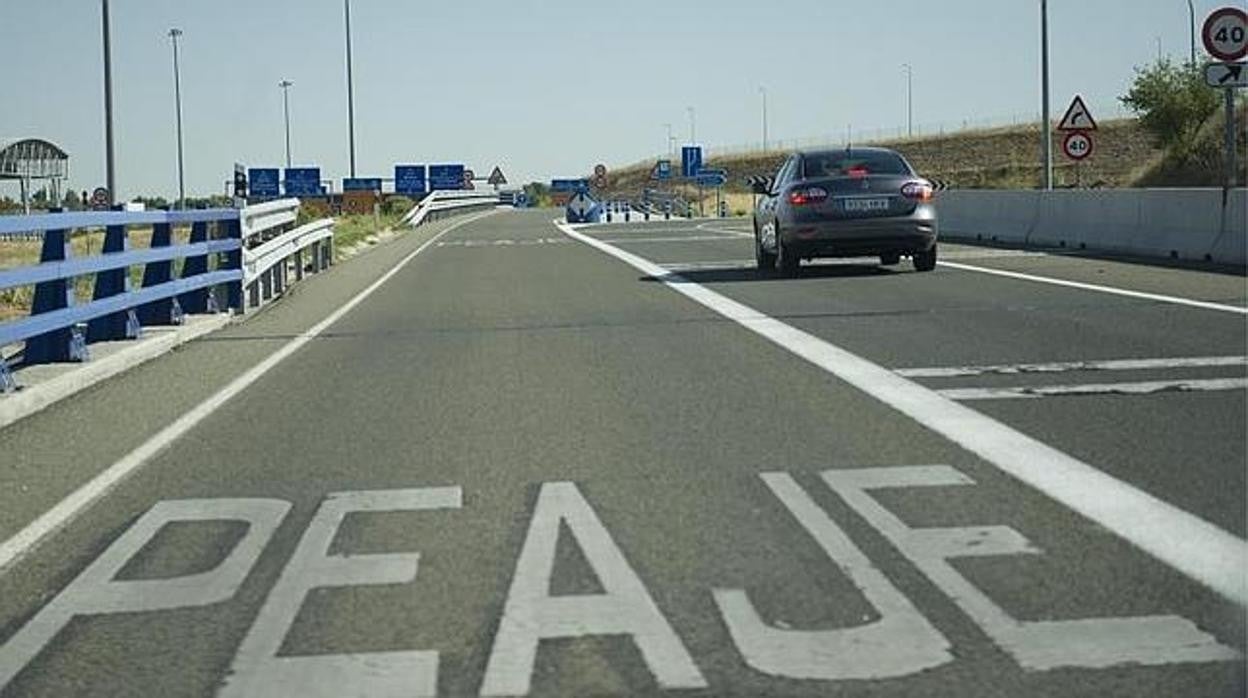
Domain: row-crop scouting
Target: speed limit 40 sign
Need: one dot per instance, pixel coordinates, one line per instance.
(1078, 145)
(1226, 34)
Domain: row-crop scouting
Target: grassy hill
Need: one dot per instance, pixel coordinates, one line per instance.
(1000, 158)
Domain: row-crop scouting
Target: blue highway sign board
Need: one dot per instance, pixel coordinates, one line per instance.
(362, 184)
(409, 179)
(303, 181)
(690, 161)
(568, 186)
(446, 177)
(264, 182)
(711, 179)
(662, 170)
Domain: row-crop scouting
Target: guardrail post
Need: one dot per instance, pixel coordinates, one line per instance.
(167, 311)
(60, 345)
(327, 250)
(199, 300)
(123, 324)
(298, 265)
(234, 260)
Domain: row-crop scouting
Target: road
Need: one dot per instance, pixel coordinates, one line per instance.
(616, 460)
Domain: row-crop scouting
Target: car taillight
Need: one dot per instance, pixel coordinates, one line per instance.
(918, 191)
(807, 195)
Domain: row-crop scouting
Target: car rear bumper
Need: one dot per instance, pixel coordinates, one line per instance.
(874, 236)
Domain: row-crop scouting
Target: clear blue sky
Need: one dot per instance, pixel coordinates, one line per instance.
(543, 88)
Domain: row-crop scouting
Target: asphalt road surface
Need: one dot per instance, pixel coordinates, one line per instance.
(499, 456)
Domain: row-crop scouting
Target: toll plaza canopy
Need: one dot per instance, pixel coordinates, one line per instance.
(29, 159)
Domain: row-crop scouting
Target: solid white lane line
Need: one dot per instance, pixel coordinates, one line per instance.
(1065, 366)
(1206, 305)
(1137, 388)
(1185, 542)
(68, 508)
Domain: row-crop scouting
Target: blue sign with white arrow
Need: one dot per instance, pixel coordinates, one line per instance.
(583, 209)
(303, 181)
(362, 184)
(568, 186)
(264, 182)
(690, 161)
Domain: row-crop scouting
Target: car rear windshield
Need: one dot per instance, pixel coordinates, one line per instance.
(853, 164)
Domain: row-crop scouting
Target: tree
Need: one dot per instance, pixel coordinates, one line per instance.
(1171, 101)
(71, 202)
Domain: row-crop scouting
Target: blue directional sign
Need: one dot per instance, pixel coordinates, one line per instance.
(264, 182)
(583, 209)
(409, 179)
(303, 181)
(568, 186)
(362, 184)
(690, 160)
(662, 170)
(711, 179)
(446, 177)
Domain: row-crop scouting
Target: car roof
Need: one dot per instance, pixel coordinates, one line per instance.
(852, 150)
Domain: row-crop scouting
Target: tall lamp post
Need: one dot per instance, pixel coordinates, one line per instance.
(286, 85)
(909, 98)
(1046, 125)
(670, 139)
(346, 4)
(763, 91)
(110, 162)
(177, 97)
(1191, 20)
(693, 126)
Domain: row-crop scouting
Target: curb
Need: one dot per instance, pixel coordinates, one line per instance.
(32, 399)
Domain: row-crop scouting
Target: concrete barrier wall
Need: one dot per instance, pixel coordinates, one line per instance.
(1189, 224)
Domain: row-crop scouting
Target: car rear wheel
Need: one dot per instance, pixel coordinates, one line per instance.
(888, 259)
(787, 260)
(925, 261)
(766, 260)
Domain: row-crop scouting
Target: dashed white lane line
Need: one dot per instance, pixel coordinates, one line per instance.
(71, 506)
(1207, 305)
(1070, 366)
(1136, 388)
(1183, 541)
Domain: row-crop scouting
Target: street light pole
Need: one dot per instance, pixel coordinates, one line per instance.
(693, 126)
(1046, 124)
(286, 85)
(1191, 20)
(669, 138)
(350, 89)
(763, 91)
(177, 97)
(110, 166)
(909, 98)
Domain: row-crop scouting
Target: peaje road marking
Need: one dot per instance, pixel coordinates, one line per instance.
(1206, 305)
(52, 520)
(1185, 542)
(899, 643)
(1065, 366)
(531, 614)
(1137, 388)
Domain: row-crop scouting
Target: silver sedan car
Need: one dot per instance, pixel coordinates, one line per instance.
(848, 202)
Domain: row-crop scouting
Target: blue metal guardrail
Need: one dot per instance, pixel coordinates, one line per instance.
(58, 329)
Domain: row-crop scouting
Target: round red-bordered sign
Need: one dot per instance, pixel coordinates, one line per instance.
(1077, 145)
(1226, 34)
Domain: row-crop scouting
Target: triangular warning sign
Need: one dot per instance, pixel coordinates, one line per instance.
(496, 177)
(1077, 118)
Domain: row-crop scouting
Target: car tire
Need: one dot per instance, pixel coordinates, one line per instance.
(926, 260)
(787, 261)
(889, 259)
(765, 260)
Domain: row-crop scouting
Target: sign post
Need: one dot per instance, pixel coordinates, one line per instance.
(1226, 38)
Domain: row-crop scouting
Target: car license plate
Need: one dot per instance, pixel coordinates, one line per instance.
(865, 205)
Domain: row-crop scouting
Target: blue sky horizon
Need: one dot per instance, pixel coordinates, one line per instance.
(542, 90)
